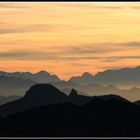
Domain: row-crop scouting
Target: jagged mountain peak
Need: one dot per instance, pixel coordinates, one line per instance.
(42, 72)
(86, 74)
(73, 93)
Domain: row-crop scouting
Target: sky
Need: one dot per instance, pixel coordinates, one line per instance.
(69, 38)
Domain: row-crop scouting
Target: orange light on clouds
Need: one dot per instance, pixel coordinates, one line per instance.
(69, 38)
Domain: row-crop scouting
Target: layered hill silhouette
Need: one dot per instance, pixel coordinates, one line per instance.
(47, 111)
(45, 94)
(14, 86)
(106, 82)
(39, 77)
(125, 77)
(51, 113)
(37, 95)
(10, 86)
(6, 99)
(131, 94)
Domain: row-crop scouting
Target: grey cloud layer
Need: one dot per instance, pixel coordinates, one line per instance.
(131, 44)
(103, 48)
(36, 28)
(24, 55)
(27, 28)
(94, 49)
(65, 54)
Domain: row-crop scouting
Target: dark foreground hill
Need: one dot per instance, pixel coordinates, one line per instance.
(37, 95)
(100, 117)
(6, 99)
(46, 111)
(41, 95)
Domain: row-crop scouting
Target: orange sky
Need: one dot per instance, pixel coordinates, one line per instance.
(69, 38)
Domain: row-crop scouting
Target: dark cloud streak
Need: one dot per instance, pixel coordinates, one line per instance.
(31, 55)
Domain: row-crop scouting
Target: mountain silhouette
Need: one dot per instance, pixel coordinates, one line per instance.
(125, 77)
(78, 99)
(44, 77)
(73, 93)
(39, 77)
(122, 82)
(40, 95)
(18, 86)
(131, 94)
(6, 99)
(85, 78)
(67, 91)
(137, 102)
(14, 86)
(102, 116)
(37, 95)
(45, 94)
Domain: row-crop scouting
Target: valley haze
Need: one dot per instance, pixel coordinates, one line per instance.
(124, 82)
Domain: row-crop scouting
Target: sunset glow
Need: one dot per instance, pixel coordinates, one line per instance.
(69, 38)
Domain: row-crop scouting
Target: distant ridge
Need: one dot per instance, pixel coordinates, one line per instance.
(125, 77)
(39, 77)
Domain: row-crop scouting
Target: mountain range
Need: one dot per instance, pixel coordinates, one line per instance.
(47, 94)
(39, 95)
(124, 78)
(11, 86)
(39, 77)
(132, 94)
(102, 83)
(14, 86)
(46, 111)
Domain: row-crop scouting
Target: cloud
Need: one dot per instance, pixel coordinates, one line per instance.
(26, 28)
(99, 58)
(93, 49)
(73, 53)
(98, 6)
(8, 31)
(108, 7)
(102, 48)
(116, 58)
(131, 44)
(88, 6)
(127, 57)
(40, 55)
(36, 55)
(26, 55)
(35, 28)
(10, 5)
